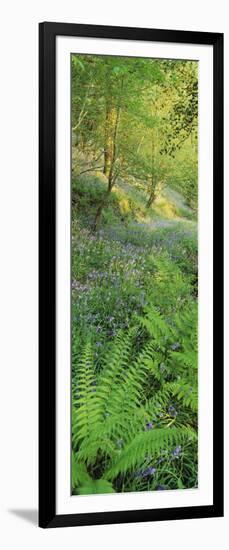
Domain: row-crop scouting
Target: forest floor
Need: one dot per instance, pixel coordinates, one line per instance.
(166, 219)
(140, 260)
(114, 276)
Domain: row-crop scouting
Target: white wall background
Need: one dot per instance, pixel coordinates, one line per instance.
(18, 270)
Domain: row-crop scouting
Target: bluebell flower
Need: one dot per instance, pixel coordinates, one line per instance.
(161, 459)
(175, 453)
(151, 471)
(172, 411)
(162, 367)
(149, 426)
(148, 472)
(175, 346)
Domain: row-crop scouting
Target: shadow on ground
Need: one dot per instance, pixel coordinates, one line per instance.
(30, 515)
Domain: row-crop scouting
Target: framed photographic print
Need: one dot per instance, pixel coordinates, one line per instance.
(131, 275)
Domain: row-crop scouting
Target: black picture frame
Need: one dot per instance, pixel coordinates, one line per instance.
(47, 274)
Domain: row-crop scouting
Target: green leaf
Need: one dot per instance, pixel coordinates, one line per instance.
(79, 472)
(96, 486)
(77, 62)
(180, 485)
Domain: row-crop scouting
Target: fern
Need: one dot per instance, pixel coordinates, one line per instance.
(156, 326)
(148, 443)
(82, 482)
(111, 413)
(87, 403)
(186, 393)
(96, 486)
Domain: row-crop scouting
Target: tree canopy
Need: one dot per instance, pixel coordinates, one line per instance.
(137, 118)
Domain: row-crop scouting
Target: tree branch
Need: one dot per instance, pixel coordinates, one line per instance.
(90, 170)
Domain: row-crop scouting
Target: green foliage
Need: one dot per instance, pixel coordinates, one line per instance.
(131, 410)
(130, 117)
(148, 443)
(87, 190)
(184, 172)
(134, 275)
(82, 482)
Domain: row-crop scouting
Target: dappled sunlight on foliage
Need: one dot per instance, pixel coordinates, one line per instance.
(134, 275)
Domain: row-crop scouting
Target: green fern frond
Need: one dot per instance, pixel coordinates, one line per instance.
(96, 487)
(95, 445)
(155, 325)
(115, 365)
(86, 415)
(80, 476)
(128, 393)
(147, 443)
(84, 484)
(112, 411)
(186, 327)
(185, 393)
(159, 401)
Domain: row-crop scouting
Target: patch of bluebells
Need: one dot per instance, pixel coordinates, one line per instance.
(111, 277)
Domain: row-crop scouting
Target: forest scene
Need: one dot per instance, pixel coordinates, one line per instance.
(134, 274)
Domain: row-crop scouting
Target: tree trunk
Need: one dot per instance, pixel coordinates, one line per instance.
(111, 129)
(153, 183)
(152, 195)
(110, 151)
(99, 210)
(111, 116)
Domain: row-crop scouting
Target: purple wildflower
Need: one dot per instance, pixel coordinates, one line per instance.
(172, 411)
(162, 367)
(176, 452)
(148, 472)
(175, 346)
(161, 459)
(149, 426)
